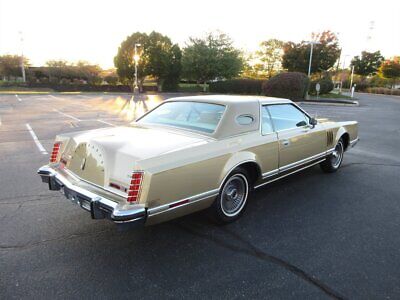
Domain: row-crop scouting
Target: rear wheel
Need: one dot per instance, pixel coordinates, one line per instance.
(333, 162)
(232, 198)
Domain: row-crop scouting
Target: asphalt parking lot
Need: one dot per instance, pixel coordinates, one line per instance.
(311, 235)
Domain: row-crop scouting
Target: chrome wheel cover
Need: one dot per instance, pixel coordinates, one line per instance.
(337, 155)
(234, 195)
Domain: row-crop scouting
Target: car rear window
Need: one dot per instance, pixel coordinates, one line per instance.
(197, 116)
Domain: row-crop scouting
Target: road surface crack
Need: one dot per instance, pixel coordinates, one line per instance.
(253, 251)
(60, 238)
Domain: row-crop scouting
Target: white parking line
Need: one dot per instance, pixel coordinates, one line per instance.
(19, 99)
(54, 97)
(67, 115)
(105, 122)
(36, 140)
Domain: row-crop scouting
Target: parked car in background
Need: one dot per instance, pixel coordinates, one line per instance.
(192, 153)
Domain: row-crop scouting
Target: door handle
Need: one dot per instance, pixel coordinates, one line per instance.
(285, 143)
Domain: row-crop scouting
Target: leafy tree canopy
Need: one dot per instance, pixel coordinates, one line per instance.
(10, 66)
(368, 64)
(325, 53)
(211, 57)
(159, 58)
(270, 55)
(391, 68)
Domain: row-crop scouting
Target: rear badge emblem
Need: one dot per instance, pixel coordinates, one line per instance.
(83, 164)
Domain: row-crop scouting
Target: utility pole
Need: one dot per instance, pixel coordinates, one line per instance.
(22, 57)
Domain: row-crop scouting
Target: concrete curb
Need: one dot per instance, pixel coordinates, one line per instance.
(332, 103)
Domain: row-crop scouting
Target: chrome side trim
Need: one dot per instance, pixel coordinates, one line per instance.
(295, 171)
(270, 173)
(193, 199)
(302, 162)
(354, 142)
(330, 151)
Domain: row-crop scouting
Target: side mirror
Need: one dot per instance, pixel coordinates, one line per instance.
(313, 122)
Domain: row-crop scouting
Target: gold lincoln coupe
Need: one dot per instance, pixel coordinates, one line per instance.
(192, 153)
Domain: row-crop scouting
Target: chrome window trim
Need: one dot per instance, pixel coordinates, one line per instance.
(270, 118)
(296, 106)
(207, 134)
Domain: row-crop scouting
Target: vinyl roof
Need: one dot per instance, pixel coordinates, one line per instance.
(231, 99)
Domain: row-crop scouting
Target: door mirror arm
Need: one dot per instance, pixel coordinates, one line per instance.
(313, 122)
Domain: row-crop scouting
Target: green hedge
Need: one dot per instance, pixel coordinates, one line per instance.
(290, 85)
(326, 86)
(237, 86)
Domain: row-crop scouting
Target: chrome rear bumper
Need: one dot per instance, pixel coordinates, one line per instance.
(99, 207)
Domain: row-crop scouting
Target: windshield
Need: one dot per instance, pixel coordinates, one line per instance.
(197, 116)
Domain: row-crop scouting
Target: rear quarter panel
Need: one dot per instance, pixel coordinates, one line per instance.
(190, 172)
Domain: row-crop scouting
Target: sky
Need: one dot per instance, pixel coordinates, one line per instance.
(92, 30)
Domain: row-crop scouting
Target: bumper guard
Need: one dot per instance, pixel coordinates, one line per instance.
(98, 206)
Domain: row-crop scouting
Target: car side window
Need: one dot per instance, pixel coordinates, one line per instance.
(287, 116)
(266, 124)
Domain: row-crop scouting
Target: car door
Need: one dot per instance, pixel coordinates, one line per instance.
(299, 141)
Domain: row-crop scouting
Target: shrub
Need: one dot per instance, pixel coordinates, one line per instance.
(170, 85)
(385, 91)
(326, 85)
(237, 86)
(291, 85)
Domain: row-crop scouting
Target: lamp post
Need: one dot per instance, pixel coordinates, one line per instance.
(22, 57)
(136, 58)
(341, 77)
(312, 43)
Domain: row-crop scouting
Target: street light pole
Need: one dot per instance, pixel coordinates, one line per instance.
(136, 59)
(309, 64)
(22, 58)
(341, 77)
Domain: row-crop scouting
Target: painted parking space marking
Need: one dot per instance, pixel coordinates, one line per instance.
(105, 122)
(67, 115)
(54, 97)
(35, 139)
(18, 98)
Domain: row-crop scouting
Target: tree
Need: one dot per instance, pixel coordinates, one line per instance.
(159, 58)
(270, 56)
(390, 69)
(10, 66)
(211, 57)
(325, 53)
(368, 64)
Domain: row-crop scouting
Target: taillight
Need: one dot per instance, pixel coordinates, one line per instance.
(54, 153)
(134, 188)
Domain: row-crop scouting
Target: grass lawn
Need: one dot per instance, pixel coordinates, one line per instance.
(191, 87)
(332, 96)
